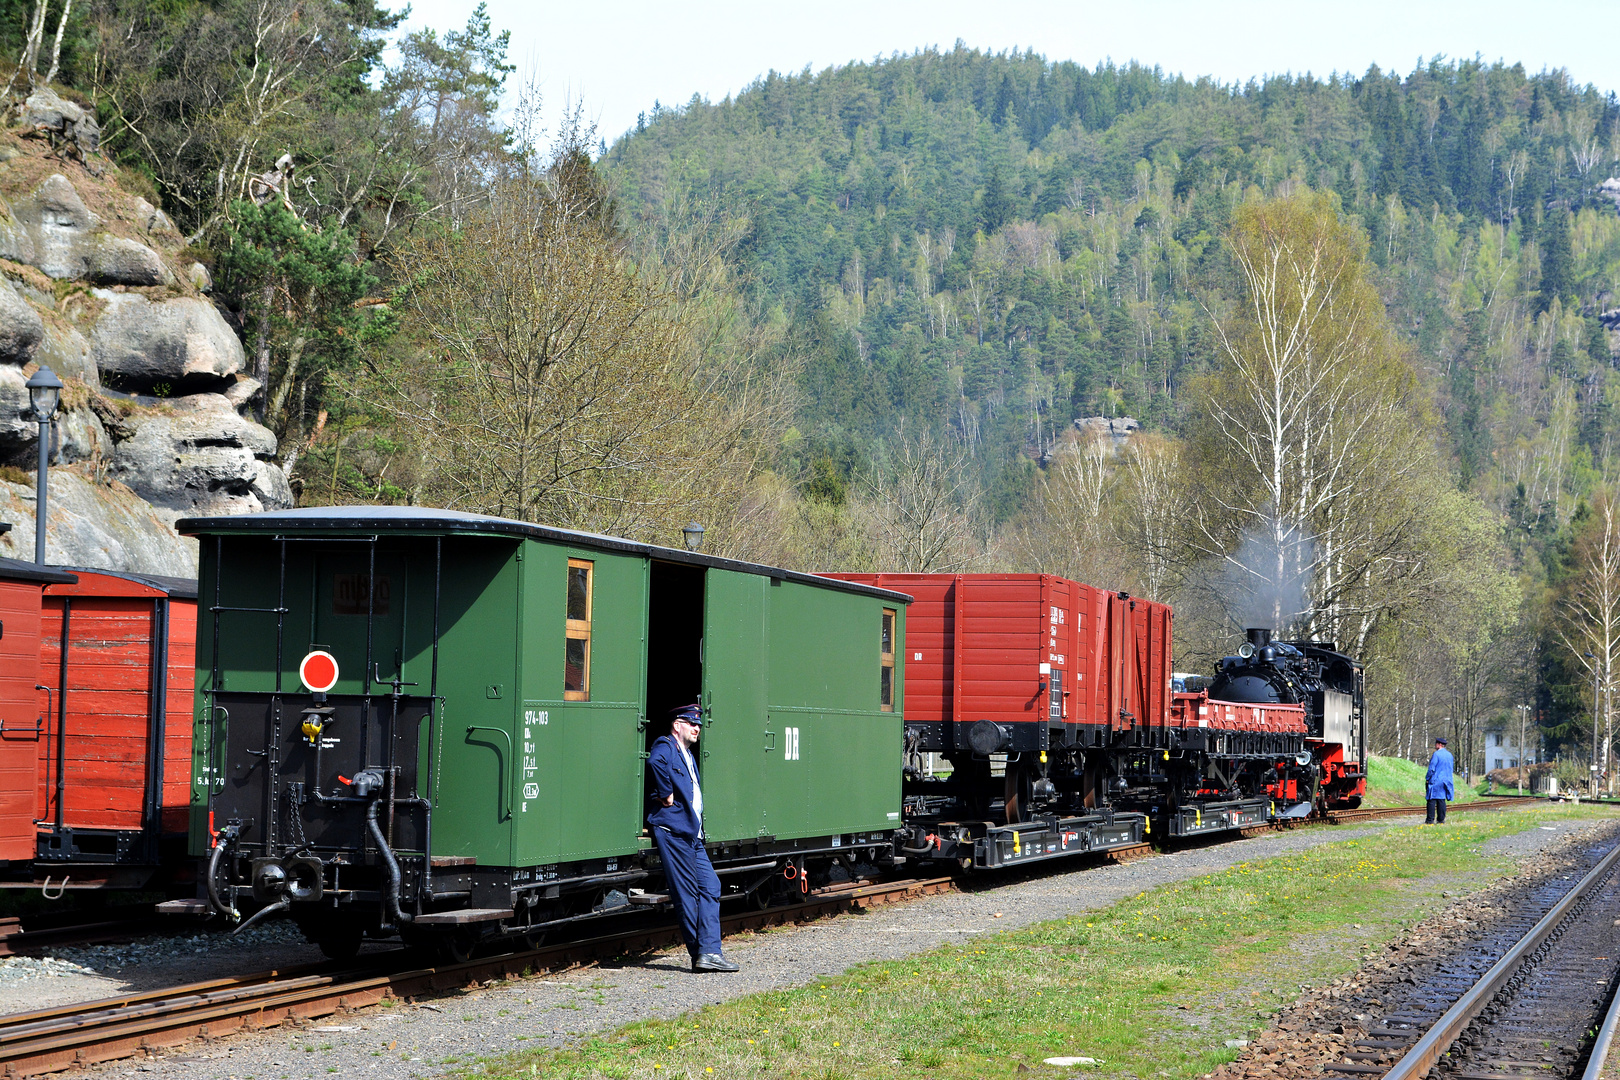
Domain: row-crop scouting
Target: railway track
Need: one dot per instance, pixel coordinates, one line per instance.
(51, 1040)
(1520, 1002)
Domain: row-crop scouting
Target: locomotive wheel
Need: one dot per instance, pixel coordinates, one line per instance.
(533, 939)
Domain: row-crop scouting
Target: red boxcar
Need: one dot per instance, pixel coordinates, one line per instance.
(1026, 662)
(21, 718)
(114, 760)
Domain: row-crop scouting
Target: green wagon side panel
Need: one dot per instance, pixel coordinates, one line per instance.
(735, 652)
(844, 775)
(474, 771)
(580, 787)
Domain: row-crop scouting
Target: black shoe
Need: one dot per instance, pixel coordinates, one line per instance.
(711, 961)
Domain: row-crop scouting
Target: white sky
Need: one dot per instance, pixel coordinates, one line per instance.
(617, 58)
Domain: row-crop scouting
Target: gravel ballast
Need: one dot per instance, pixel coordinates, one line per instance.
(450, 1033)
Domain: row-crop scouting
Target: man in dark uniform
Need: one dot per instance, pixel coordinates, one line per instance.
(677, 829)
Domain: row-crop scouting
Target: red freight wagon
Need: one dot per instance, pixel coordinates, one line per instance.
(21, 591)
(1010, 663)
(1021, 674)
(114, 760)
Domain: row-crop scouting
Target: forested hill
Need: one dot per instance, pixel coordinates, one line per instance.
(999, 244)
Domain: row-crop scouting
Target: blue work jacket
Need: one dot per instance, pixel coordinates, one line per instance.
(1439, 776)
(669, 777)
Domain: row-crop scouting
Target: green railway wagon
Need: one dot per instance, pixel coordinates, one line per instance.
(435, 724)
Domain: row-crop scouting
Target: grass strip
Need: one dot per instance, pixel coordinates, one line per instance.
(1151, 986)
(1393, 781)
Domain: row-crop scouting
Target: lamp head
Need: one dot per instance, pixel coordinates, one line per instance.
(694, 536)
(44, 393)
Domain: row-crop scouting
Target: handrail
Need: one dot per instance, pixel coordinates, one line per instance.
(505, 801)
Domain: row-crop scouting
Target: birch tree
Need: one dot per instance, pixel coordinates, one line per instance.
(1589, 613)
(1320, 466)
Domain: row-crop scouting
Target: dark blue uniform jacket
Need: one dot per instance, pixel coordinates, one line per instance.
(1438, 780)
(669, 776)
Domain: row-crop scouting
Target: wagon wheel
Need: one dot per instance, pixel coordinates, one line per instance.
(1020, 780)
(344, 944)
(455, 947)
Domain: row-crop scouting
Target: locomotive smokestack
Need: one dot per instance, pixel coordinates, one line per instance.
(1259, 637)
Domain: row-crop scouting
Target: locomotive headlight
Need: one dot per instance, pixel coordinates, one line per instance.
(1303, 758)
(1245, 650)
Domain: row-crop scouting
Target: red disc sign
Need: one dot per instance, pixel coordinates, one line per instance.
(319, 671)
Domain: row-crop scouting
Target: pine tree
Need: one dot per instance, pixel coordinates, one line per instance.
(1557, 260)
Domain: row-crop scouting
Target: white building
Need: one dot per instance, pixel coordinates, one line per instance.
(1502, 749)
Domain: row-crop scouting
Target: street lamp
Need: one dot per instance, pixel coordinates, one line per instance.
(44, 395)
(694, 536)
(1524, 712)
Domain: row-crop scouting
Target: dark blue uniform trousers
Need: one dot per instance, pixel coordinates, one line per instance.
(696, 888)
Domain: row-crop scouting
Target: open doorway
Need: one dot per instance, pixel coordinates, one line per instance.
(674, 643)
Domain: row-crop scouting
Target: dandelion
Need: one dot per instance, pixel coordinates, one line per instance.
(836, 1044)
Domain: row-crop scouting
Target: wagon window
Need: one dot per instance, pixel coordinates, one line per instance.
(886, 662)
(577, 652)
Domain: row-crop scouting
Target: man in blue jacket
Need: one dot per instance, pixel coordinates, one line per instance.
(677, 829)
(1438, 781)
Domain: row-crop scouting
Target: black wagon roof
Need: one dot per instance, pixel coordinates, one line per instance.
(17, 570)
(425, 521)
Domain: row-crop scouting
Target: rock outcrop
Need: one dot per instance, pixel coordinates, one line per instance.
(152, 427)
(198, 456)
(143, 344)
(93, 523)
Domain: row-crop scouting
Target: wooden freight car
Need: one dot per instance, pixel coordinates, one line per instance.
(1027, 684)
(95, 727)
(471, 761)
(114, 756)
(22, 720)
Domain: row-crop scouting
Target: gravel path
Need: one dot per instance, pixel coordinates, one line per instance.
(432, 1036)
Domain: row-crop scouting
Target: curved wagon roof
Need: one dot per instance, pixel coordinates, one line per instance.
(422, 521)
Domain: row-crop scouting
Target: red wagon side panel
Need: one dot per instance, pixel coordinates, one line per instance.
(99, 737)
(1004, 637)
(19, 660)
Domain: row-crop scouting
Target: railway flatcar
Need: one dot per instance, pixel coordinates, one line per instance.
(434, 724)
(95, 748)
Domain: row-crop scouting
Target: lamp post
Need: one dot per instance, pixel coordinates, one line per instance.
(694, 536)
(44, 395)
(1524, 711)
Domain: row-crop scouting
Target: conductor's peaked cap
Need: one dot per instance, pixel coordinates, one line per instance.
(690, 713)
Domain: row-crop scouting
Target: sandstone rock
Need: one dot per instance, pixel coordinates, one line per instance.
(201, 279)
(152, 219)
(17, 435)
(59, 227)
(197, 456)
(15, 243)
(241, 391)
(144, 343)
(47, 110)
(80, 436)
(96, 525)
(65, 351)
(20, 327)
(117, 261)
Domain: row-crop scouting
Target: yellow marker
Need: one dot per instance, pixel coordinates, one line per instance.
(1043, 757)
